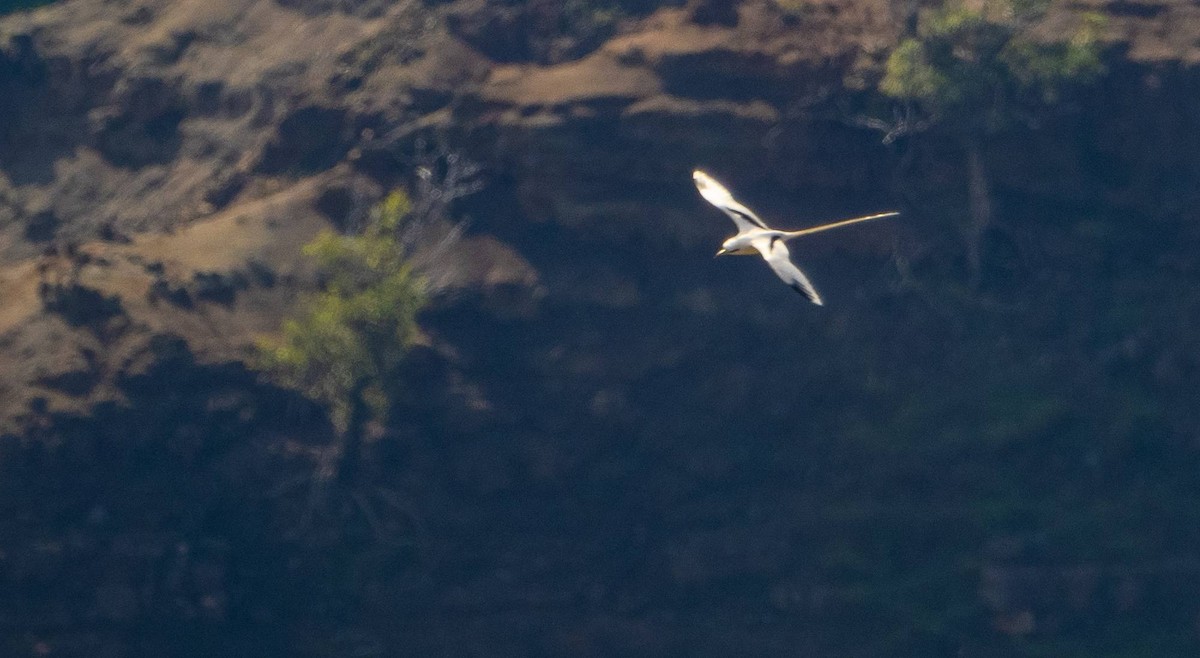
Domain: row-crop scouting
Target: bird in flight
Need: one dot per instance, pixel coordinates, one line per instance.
(755, 237)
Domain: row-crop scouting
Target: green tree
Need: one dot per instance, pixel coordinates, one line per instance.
(974, 69)
(346, 348)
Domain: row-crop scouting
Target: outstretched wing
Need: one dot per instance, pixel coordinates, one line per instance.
(716, 194)
(775, 252)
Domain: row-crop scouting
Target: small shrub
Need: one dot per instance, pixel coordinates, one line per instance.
(346, 348)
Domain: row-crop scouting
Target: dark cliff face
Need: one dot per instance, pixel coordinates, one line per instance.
(615, 445)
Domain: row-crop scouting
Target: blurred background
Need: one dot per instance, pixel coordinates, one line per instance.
(391, 327)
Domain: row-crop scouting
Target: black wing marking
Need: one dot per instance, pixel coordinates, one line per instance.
(776, 253)
(716, 194)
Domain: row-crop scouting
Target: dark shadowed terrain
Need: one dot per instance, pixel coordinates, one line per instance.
(611, 444)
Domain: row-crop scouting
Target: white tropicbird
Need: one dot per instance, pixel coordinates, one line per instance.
(755, 237)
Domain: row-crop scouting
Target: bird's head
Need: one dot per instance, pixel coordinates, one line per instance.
(732, 245)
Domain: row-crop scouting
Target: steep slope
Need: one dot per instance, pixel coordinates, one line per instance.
(615, 446)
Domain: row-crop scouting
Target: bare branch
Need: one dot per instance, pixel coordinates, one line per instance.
(442, 177)
(903, 123)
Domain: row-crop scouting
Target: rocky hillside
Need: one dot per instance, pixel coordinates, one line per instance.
(614, 446)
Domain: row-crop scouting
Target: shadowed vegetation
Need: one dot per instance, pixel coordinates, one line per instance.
(346, 348)
(974, 70)
(978, 68)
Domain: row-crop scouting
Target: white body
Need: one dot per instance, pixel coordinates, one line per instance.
(755, 237)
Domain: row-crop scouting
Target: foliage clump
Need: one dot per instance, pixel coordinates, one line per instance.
(977, 66)
(975, 69)
(346, 348)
